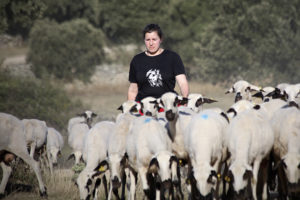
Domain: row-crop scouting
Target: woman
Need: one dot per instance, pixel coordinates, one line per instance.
(155, 71)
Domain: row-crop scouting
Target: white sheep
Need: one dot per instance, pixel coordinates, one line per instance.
(35, 134)
(85, 117)
(286, 127)
(75, 140)
(249, 140)
(204, 143)
(55, 143)
(13, 140)
(243, 90)
(149, 152)
(95, 151)
(117, 145)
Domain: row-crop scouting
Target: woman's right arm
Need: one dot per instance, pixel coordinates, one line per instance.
(132, 91)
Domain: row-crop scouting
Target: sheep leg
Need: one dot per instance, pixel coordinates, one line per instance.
(110, 190)
(256, 166)
(35, 166)
(131, 185)
(32, 149)
(123, 186)
(6, 174)
(104, 180)
(143, 174)
(50, 163)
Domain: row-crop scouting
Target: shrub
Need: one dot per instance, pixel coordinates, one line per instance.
(39, 100)
(66, 51)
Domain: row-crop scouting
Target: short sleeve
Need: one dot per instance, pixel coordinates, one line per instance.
(178, 65)
(132, 75)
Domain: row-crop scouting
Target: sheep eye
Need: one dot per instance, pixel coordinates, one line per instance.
(284, 165)
(133, 109)
(162, 103)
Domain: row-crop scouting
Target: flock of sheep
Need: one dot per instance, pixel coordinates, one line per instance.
(252, 151)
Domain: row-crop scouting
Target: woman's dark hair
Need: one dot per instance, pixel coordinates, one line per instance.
(152, 27)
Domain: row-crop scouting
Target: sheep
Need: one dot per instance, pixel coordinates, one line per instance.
(243, 90)
(195, 102)
(13, 140)
(204, 143)
(35, 134)
(249, 139)
(85, 117)
(55, 143)
(149, 152)
(170, 101)
(286, 126)
(117, 145)
(95, 151)
(75, 140)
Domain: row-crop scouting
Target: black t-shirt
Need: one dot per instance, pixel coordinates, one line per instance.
(155, 75)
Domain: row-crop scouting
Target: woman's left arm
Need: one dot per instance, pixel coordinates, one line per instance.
(183, 84)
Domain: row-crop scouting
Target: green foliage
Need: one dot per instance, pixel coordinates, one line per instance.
(38, 100)
(17, 17)
(67, 51)
(221, 40)
(254, 40)
(66, 10)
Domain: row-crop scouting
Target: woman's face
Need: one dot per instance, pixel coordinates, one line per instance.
(152, 42)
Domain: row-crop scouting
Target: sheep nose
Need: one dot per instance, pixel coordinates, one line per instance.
(170, 115)
(293, 103)
(166, 184)
(148, 113)
(238, 97)
(115, 182)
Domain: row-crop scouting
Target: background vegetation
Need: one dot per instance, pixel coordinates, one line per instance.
(218, 40)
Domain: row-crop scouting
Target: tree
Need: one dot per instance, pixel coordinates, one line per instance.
(18, 16)
(67, 51)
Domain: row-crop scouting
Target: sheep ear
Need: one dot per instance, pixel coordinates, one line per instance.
(71, 156)
(124, 161)
(120, 108)
(94, 115)
(258, 95)
(225, 116)
(182, 101)
(153, 166)
(207, 100)
(232, 110)
(81, 115)
(102, 166)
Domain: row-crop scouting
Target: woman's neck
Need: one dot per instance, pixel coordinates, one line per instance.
(159, 51)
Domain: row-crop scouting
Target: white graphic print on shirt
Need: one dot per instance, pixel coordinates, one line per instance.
(154, 78)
